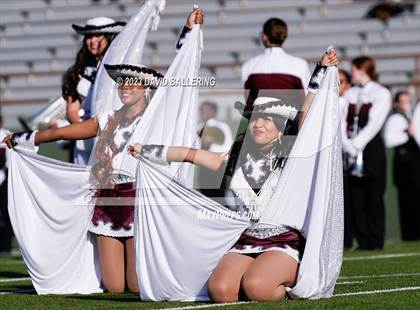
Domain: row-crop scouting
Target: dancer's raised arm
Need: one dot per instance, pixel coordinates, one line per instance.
(328, 59)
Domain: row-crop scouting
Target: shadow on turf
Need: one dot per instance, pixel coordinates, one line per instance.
(12, 274)
(127, 297)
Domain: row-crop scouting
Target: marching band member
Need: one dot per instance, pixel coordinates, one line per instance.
(368, 105)
(345, 83)
(274, 69)
(398, 134)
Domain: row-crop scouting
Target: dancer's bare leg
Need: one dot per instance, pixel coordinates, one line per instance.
(111, 256)
(224, 283)
(268, 275)
(131, 274)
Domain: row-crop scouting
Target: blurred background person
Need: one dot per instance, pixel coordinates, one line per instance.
(208, 114)
(276, 73)
(274, 69)
(215, 136)
(365, 164)
(345, 83)
(398, 135)
(6, 232)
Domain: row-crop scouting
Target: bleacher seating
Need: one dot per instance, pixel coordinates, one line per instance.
(37, 43)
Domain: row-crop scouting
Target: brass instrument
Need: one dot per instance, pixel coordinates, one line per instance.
(52, 112)
(354, 164)
(55, 109)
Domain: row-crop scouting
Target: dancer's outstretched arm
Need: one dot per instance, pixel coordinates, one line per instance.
(162, 155)
(83, 130)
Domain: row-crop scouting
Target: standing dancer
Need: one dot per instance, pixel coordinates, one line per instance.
(368, 105)
(265, 260)
(79, 78)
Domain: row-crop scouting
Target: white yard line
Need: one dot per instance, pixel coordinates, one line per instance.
(409, 288)
(349, 282)
(381, 256)
(380, 276)
(14, 279)
(400, 289)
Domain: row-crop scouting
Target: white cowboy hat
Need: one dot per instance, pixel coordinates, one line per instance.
(100, 25)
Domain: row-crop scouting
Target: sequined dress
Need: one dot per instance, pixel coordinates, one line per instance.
(256, 168)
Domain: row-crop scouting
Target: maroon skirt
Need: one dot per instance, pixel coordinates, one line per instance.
(114, 211)
(290, 240)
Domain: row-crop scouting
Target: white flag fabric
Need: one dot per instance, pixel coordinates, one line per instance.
(180, 236)
(50, 210)
(177, 249)
(171, 116)
(126, 48)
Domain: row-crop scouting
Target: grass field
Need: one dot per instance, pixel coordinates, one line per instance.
(388, 279)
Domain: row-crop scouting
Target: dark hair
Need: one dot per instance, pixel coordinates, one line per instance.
(212, 105)
(366, 64)
(71, 78)
(399, 94)
(276, 31)
(346, 74)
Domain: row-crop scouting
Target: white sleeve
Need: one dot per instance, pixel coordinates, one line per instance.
(395, 131)
(377, 114)
(347, 146)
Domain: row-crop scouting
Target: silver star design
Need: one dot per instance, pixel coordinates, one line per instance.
(256, 169)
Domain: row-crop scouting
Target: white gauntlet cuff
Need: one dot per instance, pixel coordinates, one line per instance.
(25, 140)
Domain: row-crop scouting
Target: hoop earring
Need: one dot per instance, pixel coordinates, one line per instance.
(279, 137)
(147, 92)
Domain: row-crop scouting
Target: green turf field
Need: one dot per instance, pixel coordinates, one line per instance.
(393, 273)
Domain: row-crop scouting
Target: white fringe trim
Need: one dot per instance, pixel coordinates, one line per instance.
(255, 203)
(105, 229)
